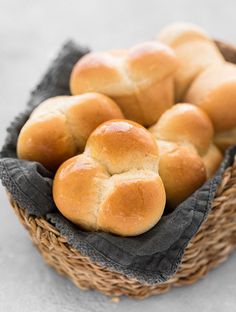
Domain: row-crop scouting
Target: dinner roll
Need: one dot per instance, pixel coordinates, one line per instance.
(114, 186)
(195, 51)
(188, 157)
(214, 90)
(225, 139)
(138, 79)
(59, 127)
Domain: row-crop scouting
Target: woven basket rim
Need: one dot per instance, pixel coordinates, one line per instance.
(197, 261)
(48, 239)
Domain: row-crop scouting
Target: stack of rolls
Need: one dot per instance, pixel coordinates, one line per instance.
(195, 52)
(59, 127)
(204, 78)
(184, 135)
(139, 80)
(120, 146)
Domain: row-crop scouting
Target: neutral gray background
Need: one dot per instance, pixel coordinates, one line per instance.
(30, 34)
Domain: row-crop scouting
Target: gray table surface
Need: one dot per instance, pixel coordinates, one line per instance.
(30, 34)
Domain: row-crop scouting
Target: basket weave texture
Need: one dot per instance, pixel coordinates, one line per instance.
(212, 244)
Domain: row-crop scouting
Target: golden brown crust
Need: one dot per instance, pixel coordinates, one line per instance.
(182, 172)
(185, 123)
(46, 141)
(59, 127)
(204, 78)
(131, 77)
(225, 139)
(215, 92)
(121, 145)
(179, 33)
(184, 136)
(195, 51)
(150, 62)
(87, 72)
(158, 97)
(102, 192)
(133, 207)
(212, 160)
(76, 189)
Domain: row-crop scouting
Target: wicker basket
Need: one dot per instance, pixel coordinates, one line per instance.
(213, 243)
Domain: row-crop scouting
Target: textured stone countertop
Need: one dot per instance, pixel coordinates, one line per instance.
(31, 32)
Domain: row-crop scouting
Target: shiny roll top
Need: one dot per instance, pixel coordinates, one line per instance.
(214, 90)
(195, 51)
(114, 185)
(59, 127)
(188, 157)
(140, 79)
(204, 78)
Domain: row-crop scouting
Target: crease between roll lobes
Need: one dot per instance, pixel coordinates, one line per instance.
(204, 78)
(124, 173)
(126, 195)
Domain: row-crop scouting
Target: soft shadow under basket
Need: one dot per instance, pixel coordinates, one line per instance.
(212, 244)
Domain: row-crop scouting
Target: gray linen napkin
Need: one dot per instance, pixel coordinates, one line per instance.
(152, 257)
